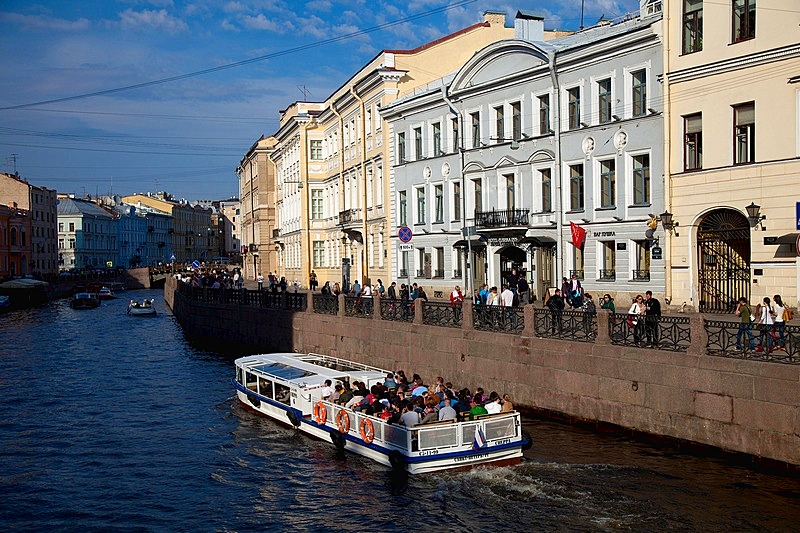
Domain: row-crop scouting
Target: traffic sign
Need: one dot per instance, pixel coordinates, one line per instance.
(404, 234)
(405, 247)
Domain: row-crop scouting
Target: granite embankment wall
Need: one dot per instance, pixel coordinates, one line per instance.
(737, 405)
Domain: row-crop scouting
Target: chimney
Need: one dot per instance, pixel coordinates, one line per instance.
(495, 18)
(528, 27)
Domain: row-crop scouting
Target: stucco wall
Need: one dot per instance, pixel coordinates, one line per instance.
(737, 405)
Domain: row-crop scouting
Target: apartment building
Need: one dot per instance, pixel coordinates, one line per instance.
(87, 234)
(733, 145)
(258, 194)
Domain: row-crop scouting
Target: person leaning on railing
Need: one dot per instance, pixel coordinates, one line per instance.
(745, 314)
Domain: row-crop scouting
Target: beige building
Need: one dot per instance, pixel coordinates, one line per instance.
(193, 232)
(733, 141)
(41, 203)
(331, 162)
(257, 217)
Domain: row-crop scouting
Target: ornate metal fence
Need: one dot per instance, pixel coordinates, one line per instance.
(569, 325)
(396, 310)
(497, 318)
(358, 306)
(325, 304)
(296, 301)
(272, 300)
(660, 332)
(442, 314)
(779, 344)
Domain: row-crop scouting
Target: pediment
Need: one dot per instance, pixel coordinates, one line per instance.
(498, 61)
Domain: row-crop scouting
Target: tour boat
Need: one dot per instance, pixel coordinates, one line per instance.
(105, 294)
(142, 308)
(288, 388)
(84, 300)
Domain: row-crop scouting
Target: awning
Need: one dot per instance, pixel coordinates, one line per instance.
(539, 241)
(476, 243)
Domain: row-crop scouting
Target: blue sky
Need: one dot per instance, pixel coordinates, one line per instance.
(187, 136)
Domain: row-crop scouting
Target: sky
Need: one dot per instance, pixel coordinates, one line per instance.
(106, 97)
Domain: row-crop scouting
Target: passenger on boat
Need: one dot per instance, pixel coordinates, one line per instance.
(493, 406)
(355, 401)
(401, 378)
(389, 382)
(283, 394)
(508, 406)
(327, 390)
(419, 388)
(337, 392)
(345, 394)
(476, 408)
(409, 417)
(447, 412)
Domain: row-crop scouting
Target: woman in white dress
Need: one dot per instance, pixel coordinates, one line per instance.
(636, 318)
(765, 322)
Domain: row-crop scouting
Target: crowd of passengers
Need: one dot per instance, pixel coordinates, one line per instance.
(410, 403)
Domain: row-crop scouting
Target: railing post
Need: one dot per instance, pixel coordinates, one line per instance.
(376, 305)
(603, 318)
(341, 304)
(529, 316)
(697, 329)
(418, 303)
(309, 302)
(467, 308)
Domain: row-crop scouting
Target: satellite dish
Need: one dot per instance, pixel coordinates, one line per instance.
(649, 233)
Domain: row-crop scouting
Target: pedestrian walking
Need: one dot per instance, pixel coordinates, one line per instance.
(260, 281)
(745, 314)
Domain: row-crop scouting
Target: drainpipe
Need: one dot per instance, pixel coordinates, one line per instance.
(468, 278)
(551, 60)
(363, 163)
(305, 193)
(341, 173)
(667, 180)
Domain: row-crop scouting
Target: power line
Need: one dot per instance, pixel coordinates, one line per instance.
(246, 61)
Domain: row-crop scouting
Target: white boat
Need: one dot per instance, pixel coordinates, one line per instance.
(143, 308)
(261, 381)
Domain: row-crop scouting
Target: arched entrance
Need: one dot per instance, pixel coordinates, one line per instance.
(723, 257)
(511, 258)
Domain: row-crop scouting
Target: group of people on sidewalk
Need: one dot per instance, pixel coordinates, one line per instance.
(770, 316)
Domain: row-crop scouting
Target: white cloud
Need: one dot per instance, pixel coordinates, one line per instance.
(150, 19)
(44, 23)
(234, 7)
(260, 22)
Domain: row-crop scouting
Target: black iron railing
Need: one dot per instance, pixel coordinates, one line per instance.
(326, 304)
(497, 318)
(403, 273)
(349, 216)
(502, 218)
(442, 314)
(608, 275)
(296, 301)
(456, 274)
(641, 275)
(358, 306)
(276, 233)
(779, 343)
(420, 273)
(661, 332)
(578, 273)
(569, 325)
(438, 273)
(396, 310)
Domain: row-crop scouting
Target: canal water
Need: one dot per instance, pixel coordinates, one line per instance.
(117, 423)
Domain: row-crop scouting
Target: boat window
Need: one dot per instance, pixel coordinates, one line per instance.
(282, 393)
(501, 428)
(438, 437)
(252, 381)
(239, 374)
(280, 370)
(265, 388)
(397, 435)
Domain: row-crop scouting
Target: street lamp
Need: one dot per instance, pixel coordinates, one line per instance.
(668, 223)
(755, 216)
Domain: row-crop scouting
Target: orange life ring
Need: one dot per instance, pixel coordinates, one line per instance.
(367, 430)
(320, 413)
(343, 421)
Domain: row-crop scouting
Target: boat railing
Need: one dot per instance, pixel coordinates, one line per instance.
(342, 364)
(441, 437)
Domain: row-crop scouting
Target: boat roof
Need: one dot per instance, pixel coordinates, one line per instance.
(84, 295)
(309, 370)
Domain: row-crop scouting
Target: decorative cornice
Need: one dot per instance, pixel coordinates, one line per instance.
(736, 63)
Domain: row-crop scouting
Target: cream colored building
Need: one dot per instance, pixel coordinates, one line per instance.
(733, 139)
(331, 161)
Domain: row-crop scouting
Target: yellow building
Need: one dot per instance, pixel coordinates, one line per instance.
(733, 140)
(331, 161)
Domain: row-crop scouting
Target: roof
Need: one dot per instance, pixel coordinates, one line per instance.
(308, 370)
(72, 206)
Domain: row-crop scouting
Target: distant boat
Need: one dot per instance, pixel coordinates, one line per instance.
(143, 308)
(84, 300)
(105, 294)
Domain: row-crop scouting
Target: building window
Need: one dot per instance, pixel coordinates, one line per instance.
(418, 143)
(574, 108)
(639, 93)
(547, 189)
(319, 254)
(478, 194)
(454, 133)
(604, 100)
(692, 26)
(641, 179)
(438, 195)
(544, 114)
(641, 260)
(61, 227)
(439, 272)
(403, 210)
(316, 150)
(456, 201)
(510, 203)
(500, 123)
(744, 133)
(609, 257)
(401, 148)
(421, 205)
(744, 20)
(576, 187)
(475, 125)
(72, 226)
(693, 142)
(516, 121)
(608, 183)
(577, 262)
(316, 204)
(437, 139)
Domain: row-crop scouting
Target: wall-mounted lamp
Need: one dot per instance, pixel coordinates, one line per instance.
(586, 220)
(653, 111)
(584, 125)
(616, 117)
(755, 216)
(669, 224)
(618, 219)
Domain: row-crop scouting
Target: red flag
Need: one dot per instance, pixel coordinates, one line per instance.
(578, 234)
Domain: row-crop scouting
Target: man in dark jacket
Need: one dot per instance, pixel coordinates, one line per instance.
(652, 317)
(556, 305)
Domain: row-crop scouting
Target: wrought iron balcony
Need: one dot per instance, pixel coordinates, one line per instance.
(349, 216)
(456, 274)
(276, 233)
(578, 273)
(403, 272)
(503, 218)
(438, 273)
(420, 273)
(608, 275)
(641, 275)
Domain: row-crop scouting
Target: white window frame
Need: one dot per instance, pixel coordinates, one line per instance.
(628, 89)
(594, 113)
(597, 199)
(628, 170)
(580, 84)
(536, 105)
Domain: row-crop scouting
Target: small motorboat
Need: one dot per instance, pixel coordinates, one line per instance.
(142, 308)
(84, 300)
(105, 294)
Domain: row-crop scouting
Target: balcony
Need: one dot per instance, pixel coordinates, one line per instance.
(503, 218)
(276, 233)
(349, 217)
(253, 248)
(403, 273)
(438, 273)
(608, 275)
(456, 274)
(578, 273)
(641, 275)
